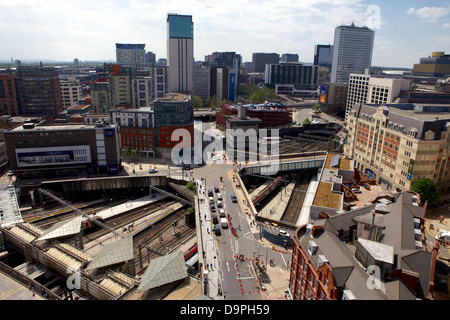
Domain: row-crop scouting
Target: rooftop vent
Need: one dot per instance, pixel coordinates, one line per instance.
(312, 247)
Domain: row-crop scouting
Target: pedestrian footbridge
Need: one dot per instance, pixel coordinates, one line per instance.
(286, 165)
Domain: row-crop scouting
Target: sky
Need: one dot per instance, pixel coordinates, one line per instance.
(63, 30)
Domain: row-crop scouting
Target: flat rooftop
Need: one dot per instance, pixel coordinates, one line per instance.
(176, 97)
(59, 127)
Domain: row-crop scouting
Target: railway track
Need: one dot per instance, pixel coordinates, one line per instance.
(295, 204)
(47, 219)
(127, 218)
(160, 239)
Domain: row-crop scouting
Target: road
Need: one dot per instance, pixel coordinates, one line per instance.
(237, 276)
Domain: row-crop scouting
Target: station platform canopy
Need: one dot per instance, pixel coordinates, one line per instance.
(164, 270)
(62, 229)
(9, 207)
(112, 253)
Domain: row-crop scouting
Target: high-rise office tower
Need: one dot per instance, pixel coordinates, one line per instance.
(180, 52)
(323, 55)
(39, 91)
(260, 59)
(352, 51)
(289, 57)
(130, 55)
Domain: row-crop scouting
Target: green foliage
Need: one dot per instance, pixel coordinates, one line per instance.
(198, 102)
(190, 185)
(316, 108)
(306, 121)
(189, 210)
(213, 102)
(427, 190)
(261, 95)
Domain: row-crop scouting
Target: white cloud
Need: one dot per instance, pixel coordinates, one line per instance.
(446, 25)
(91, 28)
(430, 14)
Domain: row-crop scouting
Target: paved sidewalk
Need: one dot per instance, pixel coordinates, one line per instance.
(209, 244)
(278, 276)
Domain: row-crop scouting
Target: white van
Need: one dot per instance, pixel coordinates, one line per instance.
(223, 222)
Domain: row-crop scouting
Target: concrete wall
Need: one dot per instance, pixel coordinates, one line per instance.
(106, 183)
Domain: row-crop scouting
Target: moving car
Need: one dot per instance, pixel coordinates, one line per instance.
(284, 234)
(219, 196)
(215, 219)
(233, 198)
(217, 230)
(224, 223)
(219, 204)
(152, 170)
(222, 213)
(216, 189)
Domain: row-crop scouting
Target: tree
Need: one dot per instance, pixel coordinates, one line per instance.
(190, 185)
(213, 102)
(316, 108)
(306, 121)
(198, 102)
(427, 190)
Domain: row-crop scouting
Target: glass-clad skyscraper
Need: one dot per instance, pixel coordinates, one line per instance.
(180, 52)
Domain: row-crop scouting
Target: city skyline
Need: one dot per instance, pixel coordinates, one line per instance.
(63, 31)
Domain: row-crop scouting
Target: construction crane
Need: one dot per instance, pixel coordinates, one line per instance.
(68, 205)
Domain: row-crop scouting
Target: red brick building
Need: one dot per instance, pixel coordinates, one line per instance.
(377, 252)
(8, 95)
(271, 116)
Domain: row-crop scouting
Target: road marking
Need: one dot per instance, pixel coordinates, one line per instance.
(228, 267)
(283, 260)
(7, 294)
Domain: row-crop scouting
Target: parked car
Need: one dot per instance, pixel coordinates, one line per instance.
(219, 196)
(211, 199)
(216, 189)
(152, 170)
(210, 193)
(222, 213)
(215, 219)
(217, 230)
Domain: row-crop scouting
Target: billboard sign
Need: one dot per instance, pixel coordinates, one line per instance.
(323, 93)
